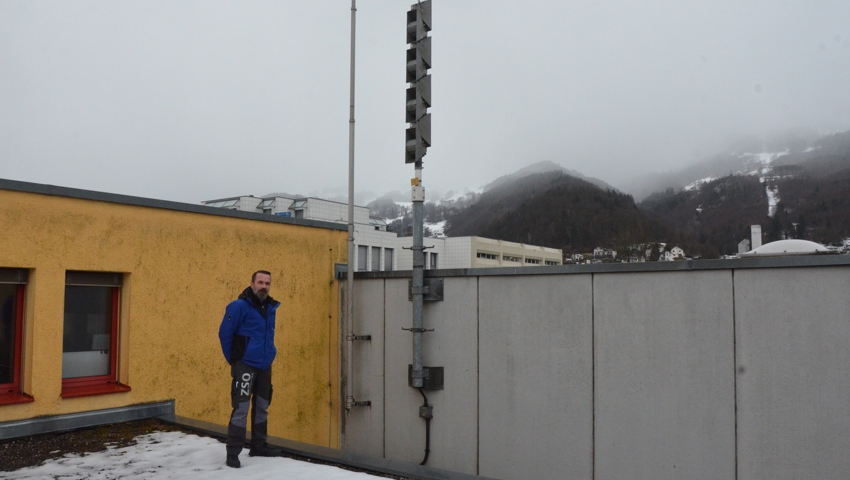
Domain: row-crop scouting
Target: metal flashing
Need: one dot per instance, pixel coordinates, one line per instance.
(333, 456)
(678, 266)
(73, 421)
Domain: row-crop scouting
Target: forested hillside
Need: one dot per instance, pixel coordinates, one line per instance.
(557, 210)
(810, 195)
(800, 193)
(716, 216)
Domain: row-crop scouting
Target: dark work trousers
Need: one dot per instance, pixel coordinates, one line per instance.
(252, 387)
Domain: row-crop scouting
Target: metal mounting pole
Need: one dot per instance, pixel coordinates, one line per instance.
(349, 313)
(417, 140)
(418, 283)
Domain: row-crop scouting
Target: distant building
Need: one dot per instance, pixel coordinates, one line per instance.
(600, 252)
(752, 243)
(581, 257)
(755, 234)
(380, 250)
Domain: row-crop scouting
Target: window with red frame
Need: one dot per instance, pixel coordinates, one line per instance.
(90, 336)
(12, 287)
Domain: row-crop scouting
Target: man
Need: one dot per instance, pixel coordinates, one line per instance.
(247, 341)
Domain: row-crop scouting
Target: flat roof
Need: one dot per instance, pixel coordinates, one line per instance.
(67, 192)
(238, 197)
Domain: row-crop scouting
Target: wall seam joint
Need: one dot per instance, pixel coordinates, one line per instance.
(478, 375)
(735, 368)
(384, 373)
(593, 376)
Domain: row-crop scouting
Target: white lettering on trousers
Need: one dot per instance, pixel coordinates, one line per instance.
(246, 382)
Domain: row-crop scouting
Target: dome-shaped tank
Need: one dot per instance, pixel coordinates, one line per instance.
(786, 247)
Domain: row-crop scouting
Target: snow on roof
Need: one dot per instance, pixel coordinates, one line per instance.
(178, 455)
(786, 247)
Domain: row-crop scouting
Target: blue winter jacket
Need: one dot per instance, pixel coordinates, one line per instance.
(246, 334)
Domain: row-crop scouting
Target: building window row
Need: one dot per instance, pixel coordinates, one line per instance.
(532, 261)
(369, 259)
(431, 260)
(90, 334)
(487, 256)
(367, 262)
(510, 258)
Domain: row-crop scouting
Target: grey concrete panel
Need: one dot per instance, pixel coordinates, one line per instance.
(452, 345)
(535, 390)
(364, 426)
(405, 432)
(664, 375)
(793, 332)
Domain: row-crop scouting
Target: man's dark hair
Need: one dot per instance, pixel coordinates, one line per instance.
(254, 276)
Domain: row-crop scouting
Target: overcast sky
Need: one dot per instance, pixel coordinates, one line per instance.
(195, 100)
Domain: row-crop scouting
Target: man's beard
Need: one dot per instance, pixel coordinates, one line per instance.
(262, 295)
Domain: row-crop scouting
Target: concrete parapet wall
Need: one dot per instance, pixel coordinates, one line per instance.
(715, 370)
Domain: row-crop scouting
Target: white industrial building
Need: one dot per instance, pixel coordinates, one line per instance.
(380, 250)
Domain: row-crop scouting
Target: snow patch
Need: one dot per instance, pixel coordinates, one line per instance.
(455, 196)
(765, 158)
(177, 455)
(437, 229)
(760, 163)
(772, 199)
(697, 184)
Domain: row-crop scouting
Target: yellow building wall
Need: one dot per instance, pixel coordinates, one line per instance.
(181, 269)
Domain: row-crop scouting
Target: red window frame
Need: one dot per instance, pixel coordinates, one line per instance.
(11, 392)
(100, 384)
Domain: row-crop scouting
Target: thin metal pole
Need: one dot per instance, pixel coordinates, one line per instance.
(349, 387)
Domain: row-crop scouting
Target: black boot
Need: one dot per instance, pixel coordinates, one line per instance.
(233, 461)
(265, 451)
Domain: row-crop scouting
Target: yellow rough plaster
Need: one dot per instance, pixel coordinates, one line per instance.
(181, 269)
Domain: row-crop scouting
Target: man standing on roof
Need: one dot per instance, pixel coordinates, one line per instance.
(247, 341)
